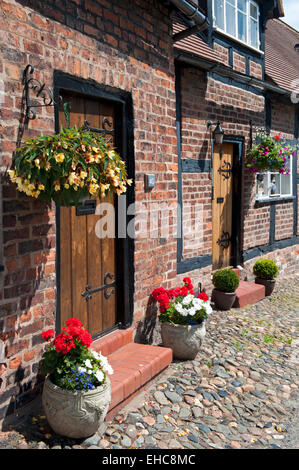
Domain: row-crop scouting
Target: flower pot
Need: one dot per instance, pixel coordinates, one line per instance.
(223, 300)
(268, 283)
(75, 414)
(184, 340)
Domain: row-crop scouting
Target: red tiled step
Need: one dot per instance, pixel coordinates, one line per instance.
(134, 365)
(237, 271)
(113, 341)
(248, 293)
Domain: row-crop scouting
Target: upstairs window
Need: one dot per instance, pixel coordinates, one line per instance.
(239, 19)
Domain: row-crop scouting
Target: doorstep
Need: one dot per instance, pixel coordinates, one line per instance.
(134, 365)
(248, 293)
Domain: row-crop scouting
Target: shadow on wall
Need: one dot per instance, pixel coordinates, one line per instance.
(148, 330)
(25, 310)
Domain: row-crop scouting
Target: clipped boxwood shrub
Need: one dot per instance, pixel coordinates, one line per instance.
(265, 269)
(226, 280)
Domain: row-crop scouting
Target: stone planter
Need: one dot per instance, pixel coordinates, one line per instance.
(223, 300)
(184, 340)
(75, 414)
(268, 283)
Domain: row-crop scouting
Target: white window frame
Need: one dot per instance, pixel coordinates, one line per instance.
(269, 196)
(235, 38)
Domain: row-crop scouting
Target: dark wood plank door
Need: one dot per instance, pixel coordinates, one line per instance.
(222, 205)
(85, 258)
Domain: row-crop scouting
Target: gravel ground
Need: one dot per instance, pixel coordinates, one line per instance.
(241, 391)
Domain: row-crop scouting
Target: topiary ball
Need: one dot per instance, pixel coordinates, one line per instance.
(226, 280)
(265, 269)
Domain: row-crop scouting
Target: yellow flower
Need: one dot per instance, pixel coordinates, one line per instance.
(83, 174)
(93, 188)
(66, 186)
(48, 166)
(57, 187)
(31, 187)
(111, 154)
(89, 158)
(73, 179)
(37, 163)
(41, 187)
(129, 182)
(98, 157)
(59, 157)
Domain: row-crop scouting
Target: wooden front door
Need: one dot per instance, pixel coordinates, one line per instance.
(87, 262)
(222, 205)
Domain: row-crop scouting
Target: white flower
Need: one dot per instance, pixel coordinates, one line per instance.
(99, 376)
(95, 354)
(109, 369)
(192, 311)
(88, 363)
(105, 364)
(179, 308)
(186, 300)
(208, 309)
(81, 369)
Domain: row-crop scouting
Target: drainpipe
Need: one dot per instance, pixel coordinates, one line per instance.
(193, 14)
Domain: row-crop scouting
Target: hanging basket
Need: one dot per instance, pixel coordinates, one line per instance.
(68, 167)
(270, 154)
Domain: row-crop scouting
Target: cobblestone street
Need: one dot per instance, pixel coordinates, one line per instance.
(240, 392)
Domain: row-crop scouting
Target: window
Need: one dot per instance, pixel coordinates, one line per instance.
(239, 19)
(270, 185)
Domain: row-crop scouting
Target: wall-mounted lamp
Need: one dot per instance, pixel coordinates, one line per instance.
(218, 132)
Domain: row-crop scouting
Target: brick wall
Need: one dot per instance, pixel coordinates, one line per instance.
(113, 44)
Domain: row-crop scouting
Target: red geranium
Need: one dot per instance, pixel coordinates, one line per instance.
(63, 343)
(85, 338)
(74, 322)
(203, 296)
(277, 137)
(46, 335)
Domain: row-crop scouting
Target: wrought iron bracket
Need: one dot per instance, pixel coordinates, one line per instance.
(225, 240)
(226, 169)
(40, 90)
(89, 290)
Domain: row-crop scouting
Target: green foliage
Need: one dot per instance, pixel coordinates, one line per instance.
(226, 280)
(265, 269)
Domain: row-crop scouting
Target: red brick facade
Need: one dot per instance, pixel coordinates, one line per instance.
(126, 45)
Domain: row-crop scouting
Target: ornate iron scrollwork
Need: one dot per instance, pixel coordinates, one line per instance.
(226, 169)
(40, 90)
(89, 290)
(107, 129)
(225, 240)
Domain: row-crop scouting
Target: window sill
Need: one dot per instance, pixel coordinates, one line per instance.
(244, 44)
(275, 199)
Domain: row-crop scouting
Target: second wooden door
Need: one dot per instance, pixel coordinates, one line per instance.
(222, 205)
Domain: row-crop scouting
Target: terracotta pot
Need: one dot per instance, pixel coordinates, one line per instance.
(184, 340)
(75, 414)
(223, 300)
(268, 283)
